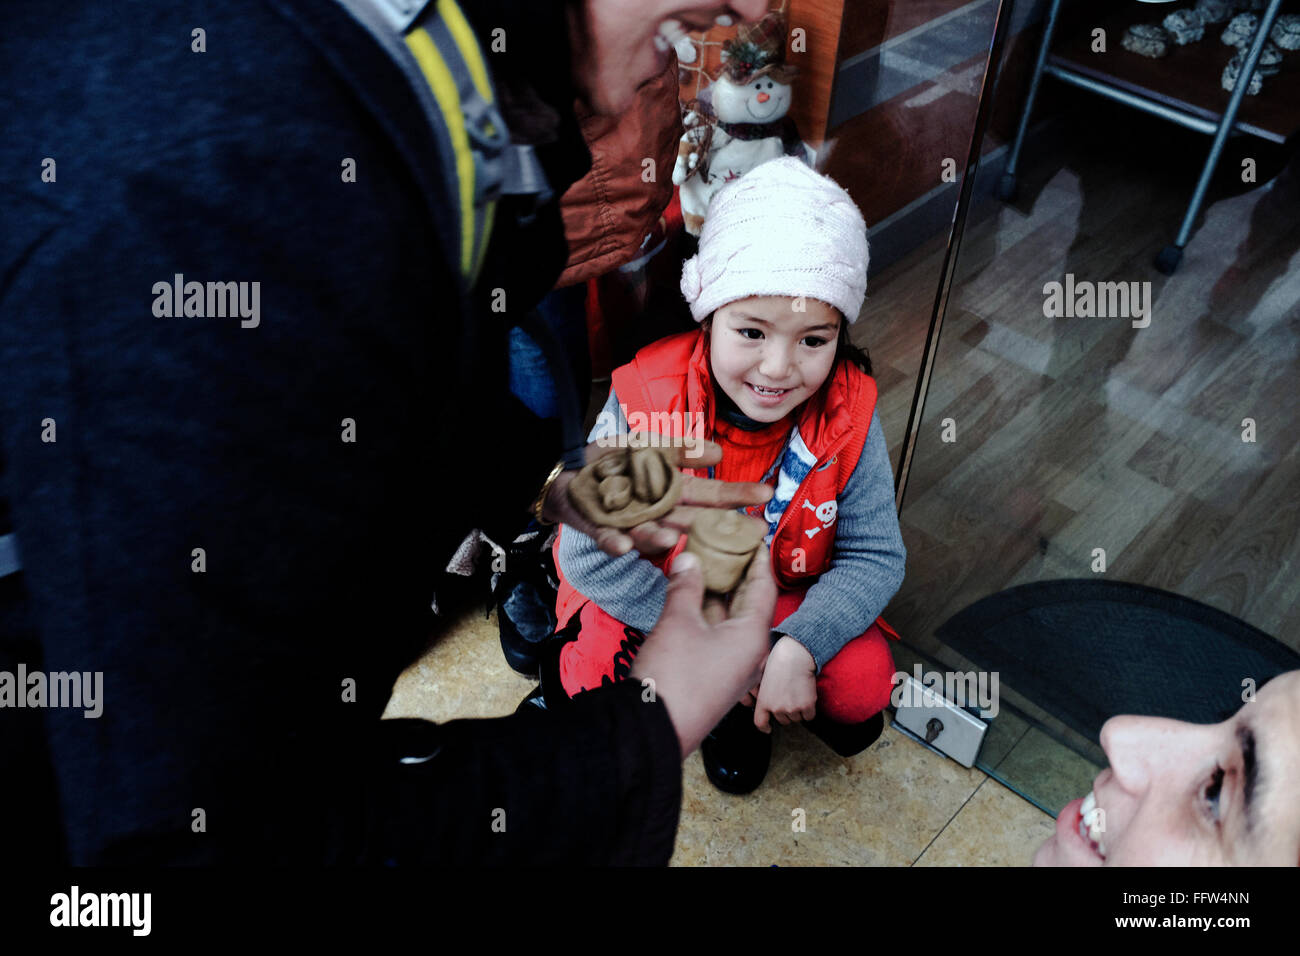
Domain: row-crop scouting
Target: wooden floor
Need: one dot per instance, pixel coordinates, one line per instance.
(1074, 434)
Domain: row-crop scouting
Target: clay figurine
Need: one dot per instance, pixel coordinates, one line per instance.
(1214, 11)
(1286, 31)
(1184, 26)
(626, 487)
(1240, 30)
(1270, 59)
(725, 542)
(1146, 40)
(1232, 72)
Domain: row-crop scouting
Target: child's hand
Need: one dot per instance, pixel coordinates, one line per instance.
(788, 691)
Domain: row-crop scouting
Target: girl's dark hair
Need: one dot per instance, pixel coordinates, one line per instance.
(845, 350)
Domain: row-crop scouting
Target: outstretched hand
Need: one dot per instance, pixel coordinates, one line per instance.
(661, 535)
(703, 654)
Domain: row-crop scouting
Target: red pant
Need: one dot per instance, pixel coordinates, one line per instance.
(855, 684)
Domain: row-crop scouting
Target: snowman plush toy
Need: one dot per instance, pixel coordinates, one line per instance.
(741, 120)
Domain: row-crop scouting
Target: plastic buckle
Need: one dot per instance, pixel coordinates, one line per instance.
(400, 14)
(484, 124)
(489, 139)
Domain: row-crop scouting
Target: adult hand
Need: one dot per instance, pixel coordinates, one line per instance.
(788, 692)
(656, 537)
(699, 669)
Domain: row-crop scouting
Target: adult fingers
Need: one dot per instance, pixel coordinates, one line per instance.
(681, 517)
(689, 452)
(755, 598)
(685, 587)
(712, 493)
(650, 537)
(679, 452)
(715, 610)
(610, 540)
(560, 509)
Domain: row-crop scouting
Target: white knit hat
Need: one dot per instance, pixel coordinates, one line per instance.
(780, 229)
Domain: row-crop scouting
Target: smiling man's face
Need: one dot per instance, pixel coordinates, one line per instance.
(1179, 794)
(613, 42)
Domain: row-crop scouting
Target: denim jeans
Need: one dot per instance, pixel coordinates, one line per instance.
(564, 311)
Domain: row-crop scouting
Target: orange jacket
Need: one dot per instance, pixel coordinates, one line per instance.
(608, 213)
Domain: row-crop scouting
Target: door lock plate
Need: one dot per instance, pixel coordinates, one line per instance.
(936, 722)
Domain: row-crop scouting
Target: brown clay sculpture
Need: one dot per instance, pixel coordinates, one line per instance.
(626, 487)
(725, 542)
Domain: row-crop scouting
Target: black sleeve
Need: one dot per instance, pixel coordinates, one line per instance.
(237, 524)
(598, 782)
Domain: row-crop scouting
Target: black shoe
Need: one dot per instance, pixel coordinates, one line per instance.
(534, 700)
(736, 754)
(525, 594)
(550, 693)
(847, 739)
(520, 654)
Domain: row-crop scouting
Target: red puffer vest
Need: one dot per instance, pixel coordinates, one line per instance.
(671, 378)
(672, 375)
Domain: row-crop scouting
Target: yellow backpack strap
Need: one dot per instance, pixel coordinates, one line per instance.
(449, 57)
(436, 47)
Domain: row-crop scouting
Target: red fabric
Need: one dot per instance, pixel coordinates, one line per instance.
(673, 220)
(855, 684)
(598, 346)
(672, 376)
(746, 455)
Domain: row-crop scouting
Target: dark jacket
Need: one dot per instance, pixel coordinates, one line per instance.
(228, 689)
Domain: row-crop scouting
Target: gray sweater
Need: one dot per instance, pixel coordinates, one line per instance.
(866, 563)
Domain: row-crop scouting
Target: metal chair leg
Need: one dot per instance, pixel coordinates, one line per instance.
(1169, 257)
(1007, 185)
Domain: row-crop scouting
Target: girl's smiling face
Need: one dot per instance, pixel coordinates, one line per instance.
(770, 358)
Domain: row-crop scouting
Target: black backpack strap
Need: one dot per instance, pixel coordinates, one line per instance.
(435, 48)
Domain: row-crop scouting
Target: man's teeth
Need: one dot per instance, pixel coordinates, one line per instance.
(1092, 823)
(673, 30)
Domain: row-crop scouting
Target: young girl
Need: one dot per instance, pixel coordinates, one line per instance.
(780, 274)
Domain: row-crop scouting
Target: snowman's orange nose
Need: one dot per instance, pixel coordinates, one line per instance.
(764, 97)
